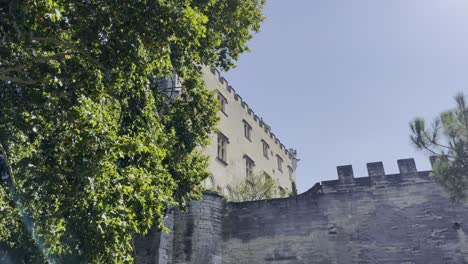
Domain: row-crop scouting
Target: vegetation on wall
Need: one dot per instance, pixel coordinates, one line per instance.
(447, 141)
(293, 189)
(91, 153)
(253, 188)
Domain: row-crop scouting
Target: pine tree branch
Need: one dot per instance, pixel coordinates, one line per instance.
(464, 111)
(432, 141)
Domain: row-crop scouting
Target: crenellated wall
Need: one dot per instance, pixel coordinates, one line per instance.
(397, 218)
(290, 153)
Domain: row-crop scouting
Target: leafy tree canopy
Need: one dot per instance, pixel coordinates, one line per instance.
(447, 142)
(91, 152)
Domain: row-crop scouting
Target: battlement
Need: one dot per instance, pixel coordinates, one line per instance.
(290, 153)
(376, 177)
(382, 218)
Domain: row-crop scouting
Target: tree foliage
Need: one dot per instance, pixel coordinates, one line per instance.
(253, 188)
(447, 142)
(92, 153)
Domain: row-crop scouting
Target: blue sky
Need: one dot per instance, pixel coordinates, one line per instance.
(339, 80)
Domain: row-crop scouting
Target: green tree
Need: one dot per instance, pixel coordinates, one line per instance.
(91, 151)
(253, 188)
(447, 142)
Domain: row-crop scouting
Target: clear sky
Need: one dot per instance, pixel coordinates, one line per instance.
(339, 80)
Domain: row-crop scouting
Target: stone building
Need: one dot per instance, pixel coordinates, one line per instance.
(244, 143)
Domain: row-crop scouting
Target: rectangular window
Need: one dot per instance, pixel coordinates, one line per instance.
(247, 130)
(282, 191)
(249, 165)
(290, 170)
(222, 147)
(280, 163)
(267, 177)
(222, 103)
(266, 149)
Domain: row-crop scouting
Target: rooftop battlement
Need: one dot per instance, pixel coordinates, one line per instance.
(290, 153)
(376, 178)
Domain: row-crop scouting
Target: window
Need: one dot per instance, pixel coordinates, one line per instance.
(249, 165)
(222, 147)
(290, 170)
(247, 130)
(266, 149)
(282, 192)
(266, 176)
(222, 103)
(280, 163)
(210, 183)
(228, 190)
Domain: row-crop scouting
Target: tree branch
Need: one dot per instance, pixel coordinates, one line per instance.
(70, 46)
(434, 142)
(5, 69)
(464, 111)
(7, 78)
(11, 10)
(4, 160)
(71, 49)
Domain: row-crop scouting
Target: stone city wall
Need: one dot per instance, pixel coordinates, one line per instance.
(399, 218)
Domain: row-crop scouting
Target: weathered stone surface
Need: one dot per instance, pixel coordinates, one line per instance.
(410, 222)
(400, 218)
(156, 247)
(198, 232)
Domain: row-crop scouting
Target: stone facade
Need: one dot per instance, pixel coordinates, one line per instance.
(258, 145)
(399, 218)
(244, 142)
